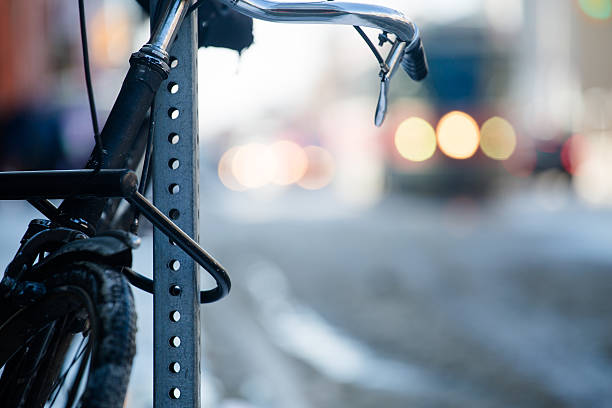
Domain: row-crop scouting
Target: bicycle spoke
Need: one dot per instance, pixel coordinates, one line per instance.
(82, 347)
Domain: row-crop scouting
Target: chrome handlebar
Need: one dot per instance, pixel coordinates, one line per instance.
(406, 50)
(329, 12)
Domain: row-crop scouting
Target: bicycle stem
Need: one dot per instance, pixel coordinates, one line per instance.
(168, 25)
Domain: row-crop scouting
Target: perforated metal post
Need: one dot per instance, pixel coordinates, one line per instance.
(175, 193)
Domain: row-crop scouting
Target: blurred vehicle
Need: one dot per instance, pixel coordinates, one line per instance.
(469, 76)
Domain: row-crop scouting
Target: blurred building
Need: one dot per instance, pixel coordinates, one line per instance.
(29, 135)
(44, 113)
(24, 73)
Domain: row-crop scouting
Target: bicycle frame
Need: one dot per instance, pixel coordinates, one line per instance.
(86, 192)
(149, 67)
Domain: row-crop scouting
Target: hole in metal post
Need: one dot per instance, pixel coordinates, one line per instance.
(175, 367)
(173, 62)
(175, 393)
(174, 264)
(173, 113)
(174, 214)
(173, 87)
(173, 138)
(175, 341)
(174, 188)
(174, 163)
(175, 315)
(175, 290)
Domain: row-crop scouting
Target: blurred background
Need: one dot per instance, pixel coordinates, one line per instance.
(460, 255)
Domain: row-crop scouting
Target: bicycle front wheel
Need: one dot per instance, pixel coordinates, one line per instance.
(72, 347)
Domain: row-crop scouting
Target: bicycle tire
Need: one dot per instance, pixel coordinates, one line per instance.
(30, 374)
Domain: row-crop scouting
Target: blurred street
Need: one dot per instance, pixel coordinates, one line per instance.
(458, 256)
(415, 302)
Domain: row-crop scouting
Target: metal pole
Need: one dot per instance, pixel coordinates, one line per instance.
(175, 193)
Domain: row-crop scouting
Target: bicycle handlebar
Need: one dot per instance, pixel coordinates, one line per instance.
(149, 67)
(329, 12)
(355, 14)
(415, 62)
(407, 49)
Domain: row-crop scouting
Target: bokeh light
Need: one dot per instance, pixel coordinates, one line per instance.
(291, 162)
(573, 153)
(254, 165)
(415, 139)
(111, 34)
(321, 168)
(497, 138)
(598, 9)
(591, 179)
(226, 174)
(458, 135)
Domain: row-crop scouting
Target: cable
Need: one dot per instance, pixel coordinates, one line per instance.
(47, 209)
(195, 6)
(144, 176)
(146, 170)
(379, 57)
(98, 149)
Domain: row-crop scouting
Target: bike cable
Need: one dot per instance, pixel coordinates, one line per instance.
(146, 168)
(367, 40)
(194, 6)
(98, 148)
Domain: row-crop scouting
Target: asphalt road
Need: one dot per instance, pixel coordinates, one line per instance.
(414, 302)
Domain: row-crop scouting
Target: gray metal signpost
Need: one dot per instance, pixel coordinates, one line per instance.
(175, 193)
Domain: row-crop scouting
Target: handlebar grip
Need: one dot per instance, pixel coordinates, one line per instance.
(414, 61)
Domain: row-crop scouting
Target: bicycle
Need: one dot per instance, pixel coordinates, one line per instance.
(72, 273)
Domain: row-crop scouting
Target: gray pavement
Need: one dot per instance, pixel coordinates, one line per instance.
(415, 303)
(412, 303)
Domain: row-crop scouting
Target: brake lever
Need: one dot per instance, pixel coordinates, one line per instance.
(381, 107)
(387, 71)
(411, 56)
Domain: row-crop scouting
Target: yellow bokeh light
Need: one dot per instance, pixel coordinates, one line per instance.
(415, 139)
(497, 138)
(291, 162)
(458, 135)
(321, 168)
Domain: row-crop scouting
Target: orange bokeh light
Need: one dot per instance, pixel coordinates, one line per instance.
(226, 174)
(291, 162)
